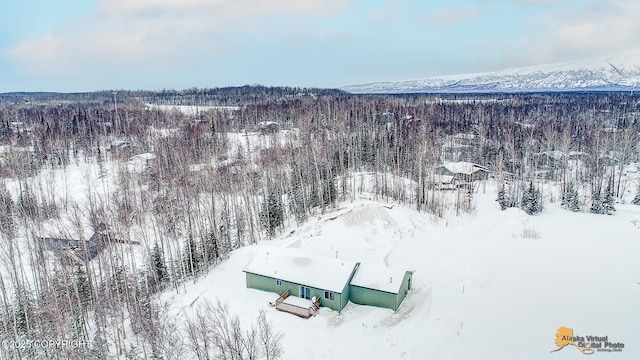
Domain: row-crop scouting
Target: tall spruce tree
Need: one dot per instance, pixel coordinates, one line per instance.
(608, 204)
(531, 200)
(596, 202)
(211, 251)
(192, 257)
(159, 273)
(272, 214)
(502, 198)
(570, 198)
(636, 199)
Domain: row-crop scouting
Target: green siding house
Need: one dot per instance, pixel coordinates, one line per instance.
(305, 276)
(331, 281)
(380, 286)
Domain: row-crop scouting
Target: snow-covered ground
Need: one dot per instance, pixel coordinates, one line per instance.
(488, 285)
(191, 110)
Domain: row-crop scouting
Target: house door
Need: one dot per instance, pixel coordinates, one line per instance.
(305, 292)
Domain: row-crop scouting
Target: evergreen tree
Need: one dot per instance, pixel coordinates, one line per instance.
(502, 198)
(531, 200)
(191, 256)
(272, 214)
(119, 280)
(6, 212)
(211, 251)
(596, 203)
(636, 199)
(82, 285)
(329, 193)
(608, 203)
(227, 246)
(570, 198)
(159, 273)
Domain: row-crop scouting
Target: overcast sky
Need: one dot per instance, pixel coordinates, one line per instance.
(70, 45)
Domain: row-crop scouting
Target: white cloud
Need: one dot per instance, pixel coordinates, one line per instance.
(591, 29)
(159, 34)
(388, 12)
(602, 26)
(453, 16)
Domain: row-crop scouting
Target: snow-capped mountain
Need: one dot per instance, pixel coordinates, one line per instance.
(610, 73)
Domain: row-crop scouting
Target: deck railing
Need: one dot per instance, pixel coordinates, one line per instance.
(305, 312)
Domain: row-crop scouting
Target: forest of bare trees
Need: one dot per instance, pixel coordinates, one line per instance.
(215, 183)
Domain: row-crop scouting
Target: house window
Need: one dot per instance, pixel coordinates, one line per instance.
(328, 295)
(278, 282)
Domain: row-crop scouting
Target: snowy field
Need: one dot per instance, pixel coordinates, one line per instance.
(488, 285)
(191, 110)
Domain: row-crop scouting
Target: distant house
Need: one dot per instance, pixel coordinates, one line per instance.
(268, 127)
(140, 163)
(577, 155)
(550, 159)
(443, 182)
(146, 157)
(324, 281)
(77, 250)
(463, 171)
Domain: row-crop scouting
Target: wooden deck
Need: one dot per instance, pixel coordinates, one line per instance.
(294, 307)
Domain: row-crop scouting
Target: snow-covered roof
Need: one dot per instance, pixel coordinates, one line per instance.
(143, 157)
(320, 272)
(378, 277)
(463, 167)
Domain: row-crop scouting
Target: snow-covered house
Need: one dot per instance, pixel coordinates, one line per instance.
(268, 127)
(379, 286)
(83, 250)
(140, 163)
(324, 281)
(549, 159)
(305, 276)
(463, 171)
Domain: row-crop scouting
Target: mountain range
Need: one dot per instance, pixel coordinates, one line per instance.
(617, 73)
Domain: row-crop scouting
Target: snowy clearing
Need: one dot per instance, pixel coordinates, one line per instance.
(489, 285)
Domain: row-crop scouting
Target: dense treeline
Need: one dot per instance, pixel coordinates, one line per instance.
(213, 185)
(226, 96)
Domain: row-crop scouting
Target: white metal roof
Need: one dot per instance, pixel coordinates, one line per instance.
(378, 277)
(320, 272)
(463, 167)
